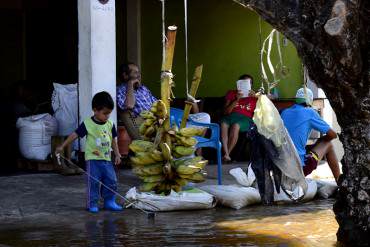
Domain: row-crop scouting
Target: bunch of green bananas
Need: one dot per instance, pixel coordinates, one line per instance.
(160, 172)
(152, 120)
(165, 165)
(183, 141)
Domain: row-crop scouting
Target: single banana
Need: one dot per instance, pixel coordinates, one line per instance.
(149, 131)
(166, 151)
(147, 187)
(181, 181)
(187, 170)
(191, 131)
(149, 122)
(184, 151)
(153, 179)
(161, 110)
(147, 114)
(186, 141)
(157, 155)
(151, 170)
(141, 146)
(142, 158)
(197, 177)
(142, 129)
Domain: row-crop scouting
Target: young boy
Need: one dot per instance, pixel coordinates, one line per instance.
(101, 136)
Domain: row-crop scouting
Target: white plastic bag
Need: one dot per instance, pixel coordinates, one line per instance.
(65, 106)
(242, 178)
(233, 196)
(35, 134)
(326, 189)
(184, 200)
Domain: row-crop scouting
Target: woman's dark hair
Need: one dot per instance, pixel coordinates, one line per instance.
(102, 100)
(246, 76)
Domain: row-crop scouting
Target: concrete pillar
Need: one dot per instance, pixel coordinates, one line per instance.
(96, 52)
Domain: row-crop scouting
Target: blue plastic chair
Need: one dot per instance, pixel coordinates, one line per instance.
(213, 141)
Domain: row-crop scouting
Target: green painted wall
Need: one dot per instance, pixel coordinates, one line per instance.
(223, 36)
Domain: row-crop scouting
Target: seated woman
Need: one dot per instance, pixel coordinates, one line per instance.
(238, 111)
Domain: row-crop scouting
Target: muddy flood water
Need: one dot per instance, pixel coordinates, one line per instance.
(309, 224)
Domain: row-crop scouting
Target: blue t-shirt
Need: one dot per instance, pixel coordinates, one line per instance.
(300, 121)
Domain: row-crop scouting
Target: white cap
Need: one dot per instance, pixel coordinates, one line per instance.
(302, 96)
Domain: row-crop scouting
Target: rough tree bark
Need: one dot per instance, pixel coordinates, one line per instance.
(332, 38)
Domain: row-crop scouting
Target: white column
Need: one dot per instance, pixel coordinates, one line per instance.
(96, 52)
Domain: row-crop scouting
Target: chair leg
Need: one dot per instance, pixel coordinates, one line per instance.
(219, 165)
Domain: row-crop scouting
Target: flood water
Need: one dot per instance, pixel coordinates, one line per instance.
(309, 224)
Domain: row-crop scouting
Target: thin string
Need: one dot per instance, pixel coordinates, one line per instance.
(163, 30)
(186, 48)
(260, 49)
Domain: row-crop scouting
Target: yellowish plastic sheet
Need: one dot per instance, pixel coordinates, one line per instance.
(268, 121)
(270, 125)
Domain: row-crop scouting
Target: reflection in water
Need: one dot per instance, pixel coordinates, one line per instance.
(310, 224)
(302, 229)
(103, 232)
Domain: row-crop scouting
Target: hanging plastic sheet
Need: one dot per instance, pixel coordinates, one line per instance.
(281, 150)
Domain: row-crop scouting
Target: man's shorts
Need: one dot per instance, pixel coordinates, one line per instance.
(311, 159)
(236, 118)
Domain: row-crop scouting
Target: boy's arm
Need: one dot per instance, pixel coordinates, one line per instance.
(68, 141)
(117, 155)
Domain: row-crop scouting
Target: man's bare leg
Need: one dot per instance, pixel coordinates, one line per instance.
(324, 148)
(225, 140)
(233, 136)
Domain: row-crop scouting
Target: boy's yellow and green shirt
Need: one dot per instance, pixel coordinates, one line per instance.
(99, 136)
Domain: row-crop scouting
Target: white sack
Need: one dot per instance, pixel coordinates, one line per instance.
(326, 189)
(35, 134)
(65, 106)
(184, 200)
(233, 196)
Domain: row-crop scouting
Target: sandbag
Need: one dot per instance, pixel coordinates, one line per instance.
(185, 200)
(308, 196)
(35, 134)
(233, 196)
(326, 189)
(65, 105)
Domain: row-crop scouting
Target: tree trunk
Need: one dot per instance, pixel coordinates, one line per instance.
(332, 38)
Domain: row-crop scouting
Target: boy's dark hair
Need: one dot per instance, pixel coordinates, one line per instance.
(102, 100)
(246, 76)
(124, 69)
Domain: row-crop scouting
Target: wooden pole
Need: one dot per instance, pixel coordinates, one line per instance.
(193, 91)
(166, 79)
(167, 65)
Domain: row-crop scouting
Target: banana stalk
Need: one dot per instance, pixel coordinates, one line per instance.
(193, 91)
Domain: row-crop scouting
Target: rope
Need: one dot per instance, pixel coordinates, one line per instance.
(279, 49)
(186, 49)
(271, 67)
(164, 38)
(192, 99)
(260, 50)
(166, 74)
(58, 156)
